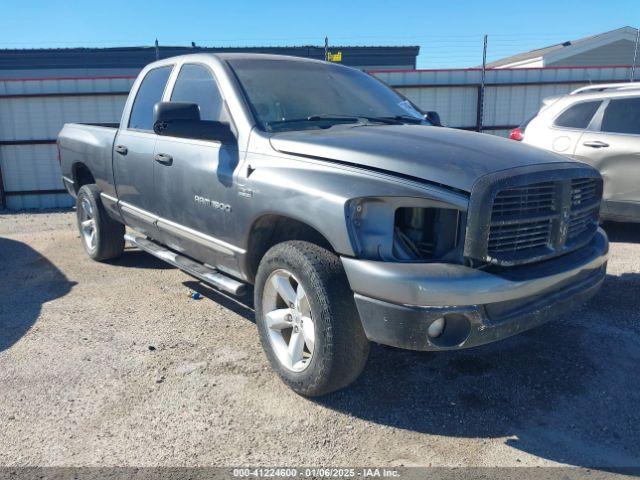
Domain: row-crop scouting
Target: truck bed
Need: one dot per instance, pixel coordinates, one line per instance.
(89, 144)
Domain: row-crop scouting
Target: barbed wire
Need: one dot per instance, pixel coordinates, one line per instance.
(442, 50)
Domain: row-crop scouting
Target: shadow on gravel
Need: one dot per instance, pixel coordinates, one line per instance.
(622, 232)
(242, 306)
(566, 391)
(27, 281)
(135, 258)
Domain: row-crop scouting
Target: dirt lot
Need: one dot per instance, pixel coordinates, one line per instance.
(114, 364)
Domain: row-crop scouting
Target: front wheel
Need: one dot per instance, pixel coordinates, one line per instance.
(102, 236)
(308, 323)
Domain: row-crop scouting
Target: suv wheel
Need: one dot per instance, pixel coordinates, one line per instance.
(308, 323)
(102, 236)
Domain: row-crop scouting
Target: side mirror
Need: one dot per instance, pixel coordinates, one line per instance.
(434, 118)
(180, 119)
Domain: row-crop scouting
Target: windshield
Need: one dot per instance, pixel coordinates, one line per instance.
(295, 95)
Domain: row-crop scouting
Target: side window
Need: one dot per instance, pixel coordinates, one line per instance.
(149, 93)
(622, 116)
(577, 116)
(195, 84)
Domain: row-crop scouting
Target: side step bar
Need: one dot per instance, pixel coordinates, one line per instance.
(202, 272)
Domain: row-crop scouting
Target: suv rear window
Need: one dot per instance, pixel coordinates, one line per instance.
(578, 115)
(622, 116)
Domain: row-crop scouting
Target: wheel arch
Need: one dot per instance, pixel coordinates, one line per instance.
(81, 175)
(270, 229)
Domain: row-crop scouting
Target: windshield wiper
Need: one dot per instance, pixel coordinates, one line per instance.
(406, 118)
(355, 118)
(338, 119)
(313, 119)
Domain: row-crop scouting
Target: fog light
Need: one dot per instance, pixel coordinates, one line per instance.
(436, 328)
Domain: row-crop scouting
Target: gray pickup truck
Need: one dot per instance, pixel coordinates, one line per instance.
(353, 217)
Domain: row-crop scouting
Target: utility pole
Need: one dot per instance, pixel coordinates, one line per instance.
(635, 56)
(326, 49)
(157, 50)
(481, 88)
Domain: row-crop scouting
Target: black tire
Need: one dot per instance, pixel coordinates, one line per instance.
(341, 347)
(109, 233)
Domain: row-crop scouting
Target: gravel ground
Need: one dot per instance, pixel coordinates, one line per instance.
(114, 364)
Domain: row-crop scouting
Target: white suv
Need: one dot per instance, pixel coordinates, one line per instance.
(598, 125)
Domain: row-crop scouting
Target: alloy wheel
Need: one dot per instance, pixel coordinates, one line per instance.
(288, 320)
(88, 224)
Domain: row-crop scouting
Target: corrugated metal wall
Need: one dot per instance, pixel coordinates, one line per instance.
(32, 112)
(511, 95)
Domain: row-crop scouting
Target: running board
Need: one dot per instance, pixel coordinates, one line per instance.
(202, 272)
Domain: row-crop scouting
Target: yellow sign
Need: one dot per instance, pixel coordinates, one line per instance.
(334, 57)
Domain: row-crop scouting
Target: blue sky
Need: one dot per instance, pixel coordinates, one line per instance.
(448, 32)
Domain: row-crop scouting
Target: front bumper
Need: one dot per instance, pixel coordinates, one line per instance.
(398, 302)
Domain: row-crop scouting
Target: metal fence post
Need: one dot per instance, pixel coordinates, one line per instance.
(480, 115)
(635, 56)
(3, 200)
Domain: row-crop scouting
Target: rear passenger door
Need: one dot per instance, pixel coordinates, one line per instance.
(569, 126)
(613, 147)
(195, 192)
(133, 154)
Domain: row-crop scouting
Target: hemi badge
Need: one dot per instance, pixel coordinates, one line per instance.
(245, 192)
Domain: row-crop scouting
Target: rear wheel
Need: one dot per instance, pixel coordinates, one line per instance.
(102, 236)
(308, 323)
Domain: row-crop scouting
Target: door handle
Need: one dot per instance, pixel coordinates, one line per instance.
(596, 144)
(163, 158)
(121, 149)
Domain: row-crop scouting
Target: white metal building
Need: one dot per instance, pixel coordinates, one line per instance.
(41, 89)
(32, 112)
(613, 48)
(33, 108)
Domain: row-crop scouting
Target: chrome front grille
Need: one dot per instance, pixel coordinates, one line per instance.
(520, 236)
(583, 191)
(525, 200)
(585, 207)
(537, 220)
(520, 219)
(580, 223)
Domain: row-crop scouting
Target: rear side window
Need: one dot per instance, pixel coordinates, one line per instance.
(195, 84)
(622, 116)
(149, 93)
(577, 116)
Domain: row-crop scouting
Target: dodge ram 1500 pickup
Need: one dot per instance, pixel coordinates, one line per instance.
(353, 217)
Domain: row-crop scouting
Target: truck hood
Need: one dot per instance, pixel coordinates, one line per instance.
(446, 156)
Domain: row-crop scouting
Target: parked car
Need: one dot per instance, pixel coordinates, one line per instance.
(352, 216)
(598, 125)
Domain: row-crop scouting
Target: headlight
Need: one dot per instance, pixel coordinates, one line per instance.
(405, 229)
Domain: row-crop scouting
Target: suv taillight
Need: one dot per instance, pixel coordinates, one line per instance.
(516, 134)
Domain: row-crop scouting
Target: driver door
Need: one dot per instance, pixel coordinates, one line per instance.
(195, 192)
